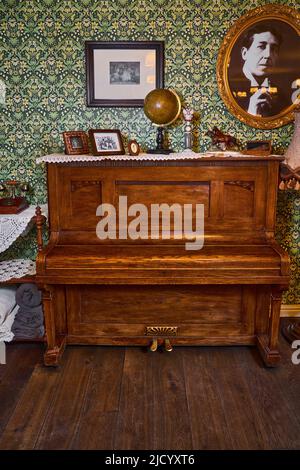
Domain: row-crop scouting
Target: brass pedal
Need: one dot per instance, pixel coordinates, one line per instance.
(168, 346)
(153, 345)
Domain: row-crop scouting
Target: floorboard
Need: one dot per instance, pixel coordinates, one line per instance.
(65, 413)
(20, 362)
(208, 419)
(101, 404)
(119, 398)
(170, 420)
(22, 430)
(136, 402)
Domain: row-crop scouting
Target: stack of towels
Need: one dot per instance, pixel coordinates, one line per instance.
(29, 321)
(8, 310)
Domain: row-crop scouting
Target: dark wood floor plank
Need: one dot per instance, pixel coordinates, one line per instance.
(235, 407)
(290, 375)
(208, 423)
(246, 429)
(19, 367)
(281, 425)
(134, 428)
(153, 407)
(171, 420)
(64, 416)
(12, 354)
(25, 424)
(128, 398)
(102, 401)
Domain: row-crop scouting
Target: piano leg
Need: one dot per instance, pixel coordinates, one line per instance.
(268, 343)
(55, 343)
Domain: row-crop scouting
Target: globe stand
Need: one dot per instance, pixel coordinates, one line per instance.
(160, 143)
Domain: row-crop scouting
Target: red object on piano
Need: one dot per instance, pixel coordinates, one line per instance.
(12, 205)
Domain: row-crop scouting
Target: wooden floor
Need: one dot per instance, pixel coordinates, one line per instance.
(128, 398)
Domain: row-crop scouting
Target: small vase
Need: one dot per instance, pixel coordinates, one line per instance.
(188, 115)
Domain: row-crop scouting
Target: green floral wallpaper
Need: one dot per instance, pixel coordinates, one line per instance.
(42, 66)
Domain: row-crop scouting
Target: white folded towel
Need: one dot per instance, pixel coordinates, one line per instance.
(7, 301)
(5, 328)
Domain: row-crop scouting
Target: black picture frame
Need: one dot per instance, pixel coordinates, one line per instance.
(116, 75)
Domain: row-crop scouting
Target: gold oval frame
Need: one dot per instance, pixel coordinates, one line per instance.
(267, 12)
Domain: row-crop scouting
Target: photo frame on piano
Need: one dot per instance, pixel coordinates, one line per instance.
(258, 147)
(106, 142)
(76, 143)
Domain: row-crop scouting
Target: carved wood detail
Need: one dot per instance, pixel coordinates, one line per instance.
(161, 330)
(243, 184)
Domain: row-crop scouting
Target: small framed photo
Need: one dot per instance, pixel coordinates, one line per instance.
(122, 73)
(133, 148)
(258, 147)
(76, 143)
(106, 142)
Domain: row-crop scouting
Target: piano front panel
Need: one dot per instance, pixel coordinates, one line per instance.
(157, 192)
(237, 193)
(78, 200)
(234, 199)
(126, 311)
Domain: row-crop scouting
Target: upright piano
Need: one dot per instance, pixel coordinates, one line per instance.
(152, 291)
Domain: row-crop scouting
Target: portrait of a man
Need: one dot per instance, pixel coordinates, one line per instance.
(264, 68)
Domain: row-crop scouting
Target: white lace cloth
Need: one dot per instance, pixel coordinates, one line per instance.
(186, 155)
(5, 328)
(16, 268)
(14, 225)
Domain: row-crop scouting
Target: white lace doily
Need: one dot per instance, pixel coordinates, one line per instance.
(186, 155)
(14, 225)
(16, 268)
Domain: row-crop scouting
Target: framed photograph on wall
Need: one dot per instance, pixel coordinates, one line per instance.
(122, 73)
(76, 143)
(106, 142)
(258, 67)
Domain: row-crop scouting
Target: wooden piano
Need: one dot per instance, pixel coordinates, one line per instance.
(153, 291)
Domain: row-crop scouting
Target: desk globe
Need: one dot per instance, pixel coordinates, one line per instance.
(162, 107)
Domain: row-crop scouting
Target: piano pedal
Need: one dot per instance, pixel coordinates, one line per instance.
(168, 346)
(157, 342)
(153, 345)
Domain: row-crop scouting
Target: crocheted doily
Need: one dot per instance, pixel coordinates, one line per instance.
(16, 268)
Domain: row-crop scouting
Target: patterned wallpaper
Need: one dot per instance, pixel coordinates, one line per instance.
(42, 66)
